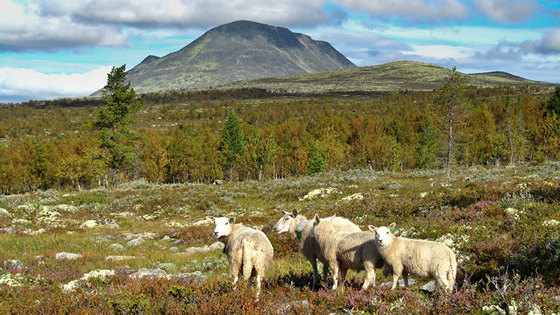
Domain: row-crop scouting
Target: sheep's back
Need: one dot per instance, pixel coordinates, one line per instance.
(422, 257)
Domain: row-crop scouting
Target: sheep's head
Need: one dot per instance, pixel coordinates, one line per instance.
(383, 235)
(222, 226)
(322, 224)
(286, 221)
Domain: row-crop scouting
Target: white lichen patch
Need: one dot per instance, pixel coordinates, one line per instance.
(514, 213)
(98, 274)
(5, 213)
(356, 196)
(12, 280)
(20, 222)
(320, 192)
(551, 222)
(125, 214)
(176, 224)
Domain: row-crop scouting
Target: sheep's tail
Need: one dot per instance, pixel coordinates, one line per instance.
(452, 274)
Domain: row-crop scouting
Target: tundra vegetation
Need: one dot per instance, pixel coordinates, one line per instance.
(141, 243)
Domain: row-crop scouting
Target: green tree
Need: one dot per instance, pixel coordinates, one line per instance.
(553, 103)
(451, 99)
(428, 147)
(233, 144)
(316, 160)
(114, 119)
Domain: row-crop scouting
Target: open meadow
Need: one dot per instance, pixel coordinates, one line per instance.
(147, 248)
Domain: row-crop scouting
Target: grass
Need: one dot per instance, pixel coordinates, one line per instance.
(507, 258)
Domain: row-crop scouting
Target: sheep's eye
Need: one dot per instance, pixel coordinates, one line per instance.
(387, 232)
(286, 219)
(227, 223)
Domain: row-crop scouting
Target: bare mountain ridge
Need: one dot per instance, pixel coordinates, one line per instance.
(236, 51)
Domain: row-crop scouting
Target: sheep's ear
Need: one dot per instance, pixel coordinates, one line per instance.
(334, 216)
(316, 218)
(286, 212)
(232, 220)
(393, 225)
(295, 213)
(211, 219)
(371, 228)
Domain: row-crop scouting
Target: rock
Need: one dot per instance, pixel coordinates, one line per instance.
(145, 273)
(5, 213)
(357, 196)
(319, 192)
(118, 258)
(7, 230)
(493, 309)
(216, 245)
(400, 283)
(13, 264)
(68, 256)
(89, 224)
(110, 223)
(429, 287)
(166, 266)
(192, 250)
(286, 308)
(135, 242)
(167, 238)
(189, 277)
(218, 182)
(174, 249)
(116, 246)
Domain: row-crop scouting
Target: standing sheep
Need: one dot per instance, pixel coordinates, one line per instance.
(425, 259)
(298, 226)
(249, 251)
(347, 250)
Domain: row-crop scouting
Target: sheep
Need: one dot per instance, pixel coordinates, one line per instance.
(347, 250)
(298, 226)
(249, 251)
(425, 259)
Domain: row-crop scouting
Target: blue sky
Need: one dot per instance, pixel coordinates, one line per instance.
(54, 48)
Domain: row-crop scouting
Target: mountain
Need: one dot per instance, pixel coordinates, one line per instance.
(390, 77)
(236, 51)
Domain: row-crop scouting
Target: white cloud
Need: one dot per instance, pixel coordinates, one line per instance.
(551, 41)
(23, 28)
(414, 10)
(189, 13)
(507, 11)
(28, 84)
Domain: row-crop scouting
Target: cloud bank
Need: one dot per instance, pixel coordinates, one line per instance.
(25, 84)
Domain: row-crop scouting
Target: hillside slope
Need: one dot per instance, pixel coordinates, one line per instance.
(236, 51)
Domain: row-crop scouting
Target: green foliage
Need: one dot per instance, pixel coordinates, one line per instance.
(114, 118)
(233, 144)
(315, 159)
(428, 147)
(553, 103)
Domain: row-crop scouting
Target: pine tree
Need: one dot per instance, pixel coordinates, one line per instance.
(114, 118)
(315, 159)
(553, 103)
(233, 144)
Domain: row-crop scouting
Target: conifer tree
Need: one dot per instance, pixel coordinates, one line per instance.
(233, 144)
(316, 161)
(428, 147)
(113, 120)
(553, 103)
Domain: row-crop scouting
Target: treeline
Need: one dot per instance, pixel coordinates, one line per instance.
(240, 140)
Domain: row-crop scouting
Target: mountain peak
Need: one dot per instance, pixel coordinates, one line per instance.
(236, 51)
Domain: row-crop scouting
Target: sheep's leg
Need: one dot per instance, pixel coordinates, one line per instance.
(335, 271)
(397, 271)
(405, 278)
(343, 273)
(370, 277)
(325, 271)
(247, 268)
(258, 284)
(314, 266)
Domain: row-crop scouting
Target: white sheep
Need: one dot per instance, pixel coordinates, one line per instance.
(347, 250)
(425, 259)
(298, 226)
(249, 251)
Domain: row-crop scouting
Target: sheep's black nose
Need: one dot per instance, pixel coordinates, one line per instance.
(216, 233)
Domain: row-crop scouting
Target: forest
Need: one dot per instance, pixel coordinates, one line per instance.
(178, 137)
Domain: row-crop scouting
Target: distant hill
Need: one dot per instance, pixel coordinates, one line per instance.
(389, 77)
(236, 51)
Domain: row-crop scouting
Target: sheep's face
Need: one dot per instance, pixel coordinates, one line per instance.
(383, 235)
(222, 226)
(283, 225)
